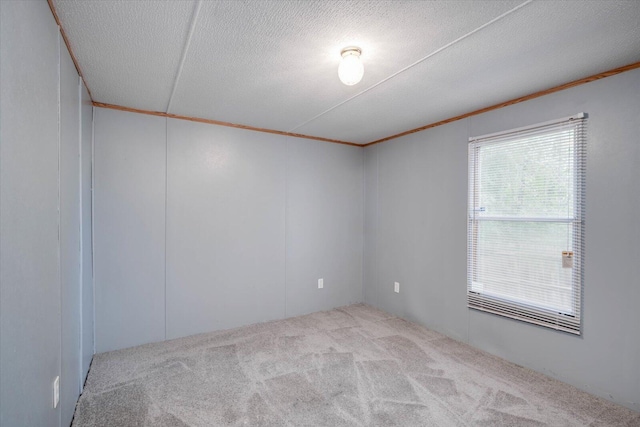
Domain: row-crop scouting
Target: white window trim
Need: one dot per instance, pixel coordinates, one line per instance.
(479, 300)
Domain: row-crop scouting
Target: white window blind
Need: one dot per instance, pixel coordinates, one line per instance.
(526, 219)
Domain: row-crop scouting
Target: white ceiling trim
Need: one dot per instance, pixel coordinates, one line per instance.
(185, 50)
(435, 52)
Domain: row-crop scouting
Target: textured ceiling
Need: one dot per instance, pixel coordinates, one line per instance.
(273, 64)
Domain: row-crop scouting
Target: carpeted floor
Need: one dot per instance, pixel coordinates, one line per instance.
(353, 366)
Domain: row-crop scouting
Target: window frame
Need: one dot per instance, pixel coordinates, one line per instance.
(530, 311)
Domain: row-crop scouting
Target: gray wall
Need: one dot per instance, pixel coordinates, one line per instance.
(324, 225)
(225, 227)
(249, 222)
(129, 228)
(29, 279)
(69, 235)
(416, 199)
(40, 292)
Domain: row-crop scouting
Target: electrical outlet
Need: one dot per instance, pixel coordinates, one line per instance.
(396, 287)
(320, 283)
(56, 392)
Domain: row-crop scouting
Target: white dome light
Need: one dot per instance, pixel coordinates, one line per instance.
(350, 69)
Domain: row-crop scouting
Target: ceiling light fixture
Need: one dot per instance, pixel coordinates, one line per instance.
(350, 69)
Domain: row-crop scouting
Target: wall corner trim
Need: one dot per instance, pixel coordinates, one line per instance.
(221, 123)
(68, 44)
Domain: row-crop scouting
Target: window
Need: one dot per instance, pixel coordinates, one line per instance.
(526, 219)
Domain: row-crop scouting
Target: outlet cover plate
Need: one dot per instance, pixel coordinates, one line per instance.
(320, 283)
(396, 287)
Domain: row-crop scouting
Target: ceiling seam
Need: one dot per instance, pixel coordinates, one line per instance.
(494, 20)
(194, 20)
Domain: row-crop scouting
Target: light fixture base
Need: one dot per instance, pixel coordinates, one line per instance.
(351, 50)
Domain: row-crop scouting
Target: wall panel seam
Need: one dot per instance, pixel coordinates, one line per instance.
(166, 202)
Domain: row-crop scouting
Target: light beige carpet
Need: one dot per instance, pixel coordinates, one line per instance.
(353, 366)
